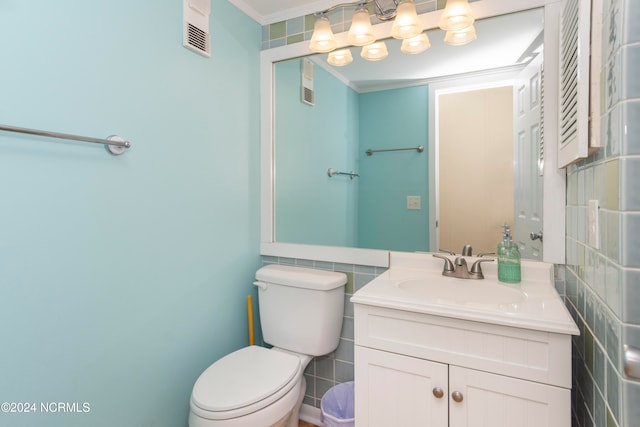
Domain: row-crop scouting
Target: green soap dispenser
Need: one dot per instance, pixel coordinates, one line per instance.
(508, 258)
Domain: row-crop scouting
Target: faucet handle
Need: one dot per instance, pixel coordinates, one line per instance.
(448, 265)
(477, 269)
(481, 254)
(446, 251)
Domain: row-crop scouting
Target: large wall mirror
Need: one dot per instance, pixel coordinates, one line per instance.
(478, 111)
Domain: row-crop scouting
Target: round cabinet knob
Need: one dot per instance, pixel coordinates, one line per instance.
(456, 396)
(438, 392)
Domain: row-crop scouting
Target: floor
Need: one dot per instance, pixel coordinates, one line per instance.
(306, 424)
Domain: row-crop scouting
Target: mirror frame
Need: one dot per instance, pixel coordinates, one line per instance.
(554, 179)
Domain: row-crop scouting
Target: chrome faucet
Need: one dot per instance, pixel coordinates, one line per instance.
(459, 268)
(466, 251)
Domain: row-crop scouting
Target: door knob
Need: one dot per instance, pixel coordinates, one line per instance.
(536, 236)
(438, 392)
(457, 396)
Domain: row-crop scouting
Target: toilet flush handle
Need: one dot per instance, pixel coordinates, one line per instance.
(261, 285)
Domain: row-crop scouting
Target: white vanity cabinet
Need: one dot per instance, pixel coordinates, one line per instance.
(415, 369)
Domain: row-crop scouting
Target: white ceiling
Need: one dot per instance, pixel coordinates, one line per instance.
(270, 11)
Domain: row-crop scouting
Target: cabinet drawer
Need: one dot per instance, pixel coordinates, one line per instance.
(522, 353)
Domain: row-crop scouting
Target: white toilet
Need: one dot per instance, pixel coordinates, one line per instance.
(301, 315)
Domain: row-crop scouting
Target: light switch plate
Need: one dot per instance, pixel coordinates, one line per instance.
(413, 203)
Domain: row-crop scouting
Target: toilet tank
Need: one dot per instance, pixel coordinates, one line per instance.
(301, 309)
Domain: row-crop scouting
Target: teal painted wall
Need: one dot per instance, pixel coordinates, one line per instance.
(396, 118)
(123, 278)
(369, 211)
(312, 207)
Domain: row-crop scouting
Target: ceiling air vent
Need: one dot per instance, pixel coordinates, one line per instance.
(196, 26)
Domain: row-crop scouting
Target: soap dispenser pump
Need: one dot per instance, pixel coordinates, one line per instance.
(508, 258)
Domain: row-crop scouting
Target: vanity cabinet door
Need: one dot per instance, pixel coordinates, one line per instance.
(490, 400)
(396, 390)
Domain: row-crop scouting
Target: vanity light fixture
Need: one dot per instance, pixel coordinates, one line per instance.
(340, 58)
(457, 15)
(457, 20)
(460, 37)
(405, 25)
(374, 51)
(416, 44)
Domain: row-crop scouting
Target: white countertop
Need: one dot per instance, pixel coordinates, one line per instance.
(532, 304)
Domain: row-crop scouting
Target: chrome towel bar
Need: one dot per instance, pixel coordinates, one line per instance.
(419, 149)
(351, 174)
(114, 144)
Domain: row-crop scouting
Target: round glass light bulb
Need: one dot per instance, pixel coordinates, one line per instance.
(340, 58)
(460, 38)
(374, 51)
(417, 44)
(361, 31)
(456, 16)
(322, 39)
(406, 23)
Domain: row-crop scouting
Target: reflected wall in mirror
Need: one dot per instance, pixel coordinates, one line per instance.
(475, 174)
(393, 204)
(370, 210)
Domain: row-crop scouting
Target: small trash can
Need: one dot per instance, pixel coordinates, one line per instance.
(337, 406)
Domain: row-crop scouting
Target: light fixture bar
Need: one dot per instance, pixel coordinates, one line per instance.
(385, 9)
(456, 20)
(340, 6)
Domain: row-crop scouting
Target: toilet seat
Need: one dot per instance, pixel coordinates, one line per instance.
(243, 382)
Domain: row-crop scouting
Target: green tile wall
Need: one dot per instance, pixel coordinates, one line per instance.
(602, 285)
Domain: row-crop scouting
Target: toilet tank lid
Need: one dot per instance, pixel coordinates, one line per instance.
(301, 277)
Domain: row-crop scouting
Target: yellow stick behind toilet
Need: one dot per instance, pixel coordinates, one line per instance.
(250, 318)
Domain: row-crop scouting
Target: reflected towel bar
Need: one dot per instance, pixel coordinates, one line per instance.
(114, 143)
(351, 174)
(419, 149)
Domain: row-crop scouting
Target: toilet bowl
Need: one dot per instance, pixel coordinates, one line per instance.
(301, 316)
(250, 387)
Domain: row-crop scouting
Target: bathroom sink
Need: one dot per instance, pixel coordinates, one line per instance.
(463, 292)
(415, 283)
